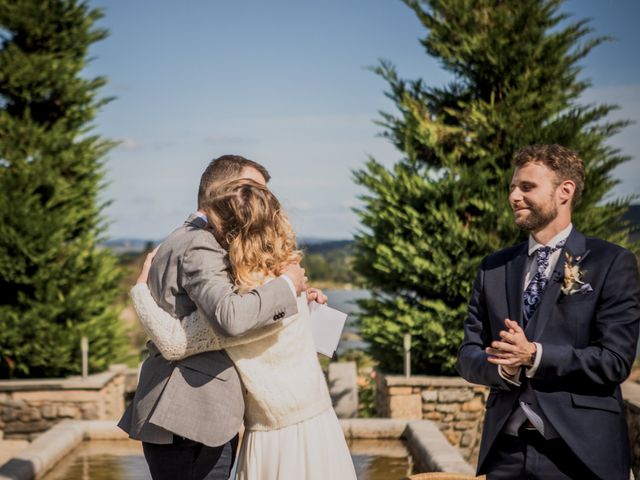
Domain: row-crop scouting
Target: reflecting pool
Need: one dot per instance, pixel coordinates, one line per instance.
(123, 460)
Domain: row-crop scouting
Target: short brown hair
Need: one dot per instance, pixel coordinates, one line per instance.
(566, 164)
(223, 169)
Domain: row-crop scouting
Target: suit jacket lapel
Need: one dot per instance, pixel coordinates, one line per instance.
(575, 246)
(515, 282)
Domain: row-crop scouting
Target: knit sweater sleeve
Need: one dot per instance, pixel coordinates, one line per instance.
(178, 339)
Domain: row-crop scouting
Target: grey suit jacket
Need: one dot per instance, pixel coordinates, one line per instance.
(200, 397)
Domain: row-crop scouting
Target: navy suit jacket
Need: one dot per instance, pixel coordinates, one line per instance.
(588, 340)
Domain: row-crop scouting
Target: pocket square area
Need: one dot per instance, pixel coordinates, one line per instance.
(576, 288)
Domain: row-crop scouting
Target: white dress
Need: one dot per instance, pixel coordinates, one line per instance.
(291, 430)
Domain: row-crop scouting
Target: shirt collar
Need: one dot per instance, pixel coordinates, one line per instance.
(202, 216)
(563, 235)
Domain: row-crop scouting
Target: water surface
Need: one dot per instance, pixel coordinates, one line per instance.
(123, 460)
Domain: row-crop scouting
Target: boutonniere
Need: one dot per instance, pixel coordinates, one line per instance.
(573, 275)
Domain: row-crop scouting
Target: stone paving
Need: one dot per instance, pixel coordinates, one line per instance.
(9, 448)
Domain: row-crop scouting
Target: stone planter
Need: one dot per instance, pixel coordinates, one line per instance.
(30, 407)
(453, 404)
(457, 408)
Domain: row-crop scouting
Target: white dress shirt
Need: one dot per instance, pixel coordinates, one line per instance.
(522, 413)
(532, 266)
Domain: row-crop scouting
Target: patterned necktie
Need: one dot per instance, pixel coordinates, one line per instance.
(535, 289)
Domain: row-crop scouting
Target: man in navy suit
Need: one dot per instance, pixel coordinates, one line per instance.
(552, 328)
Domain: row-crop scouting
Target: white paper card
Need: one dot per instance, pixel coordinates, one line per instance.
(326, 325)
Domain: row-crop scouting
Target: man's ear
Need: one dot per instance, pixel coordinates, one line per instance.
(566, 191)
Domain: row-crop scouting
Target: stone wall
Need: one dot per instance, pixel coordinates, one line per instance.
(453, 404)
(30, 407)
(457, 408)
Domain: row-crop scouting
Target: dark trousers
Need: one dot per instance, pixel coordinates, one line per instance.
(530, 456)
(185, 459)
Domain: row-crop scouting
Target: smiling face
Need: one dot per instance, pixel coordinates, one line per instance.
(535, 196)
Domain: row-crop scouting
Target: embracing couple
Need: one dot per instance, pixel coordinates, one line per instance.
(224, 302)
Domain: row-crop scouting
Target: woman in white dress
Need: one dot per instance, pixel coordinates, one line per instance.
(291, 430)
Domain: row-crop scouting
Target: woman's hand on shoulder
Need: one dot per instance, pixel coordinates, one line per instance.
(146, 266)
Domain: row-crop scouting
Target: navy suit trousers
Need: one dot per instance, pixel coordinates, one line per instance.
(530, 456)
(189, 460)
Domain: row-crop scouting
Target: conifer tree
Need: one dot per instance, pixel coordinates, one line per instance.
(429, 220)
(56, 284)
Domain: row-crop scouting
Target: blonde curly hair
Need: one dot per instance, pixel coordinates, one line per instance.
(249, 222)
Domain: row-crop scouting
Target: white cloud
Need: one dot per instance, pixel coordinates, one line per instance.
(302, 206)
(352, 203)
(127, 143)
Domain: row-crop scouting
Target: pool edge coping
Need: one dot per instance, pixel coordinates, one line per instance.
(430, 449)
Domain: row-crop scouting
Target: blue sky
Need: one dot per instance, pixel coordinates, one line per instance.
(285, 83)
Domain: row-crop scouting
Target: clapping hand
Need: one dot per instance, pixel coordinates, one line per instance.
(513, 350)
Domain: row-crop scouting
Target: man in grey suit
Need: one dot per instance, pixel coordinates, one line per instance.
(188, 413)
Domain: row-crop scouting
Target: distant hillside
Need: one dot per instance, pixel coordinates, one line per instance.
(326, 261)
(325, 245)
(137, 245)
(129, 245)
(318, 240)
(328, 264)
